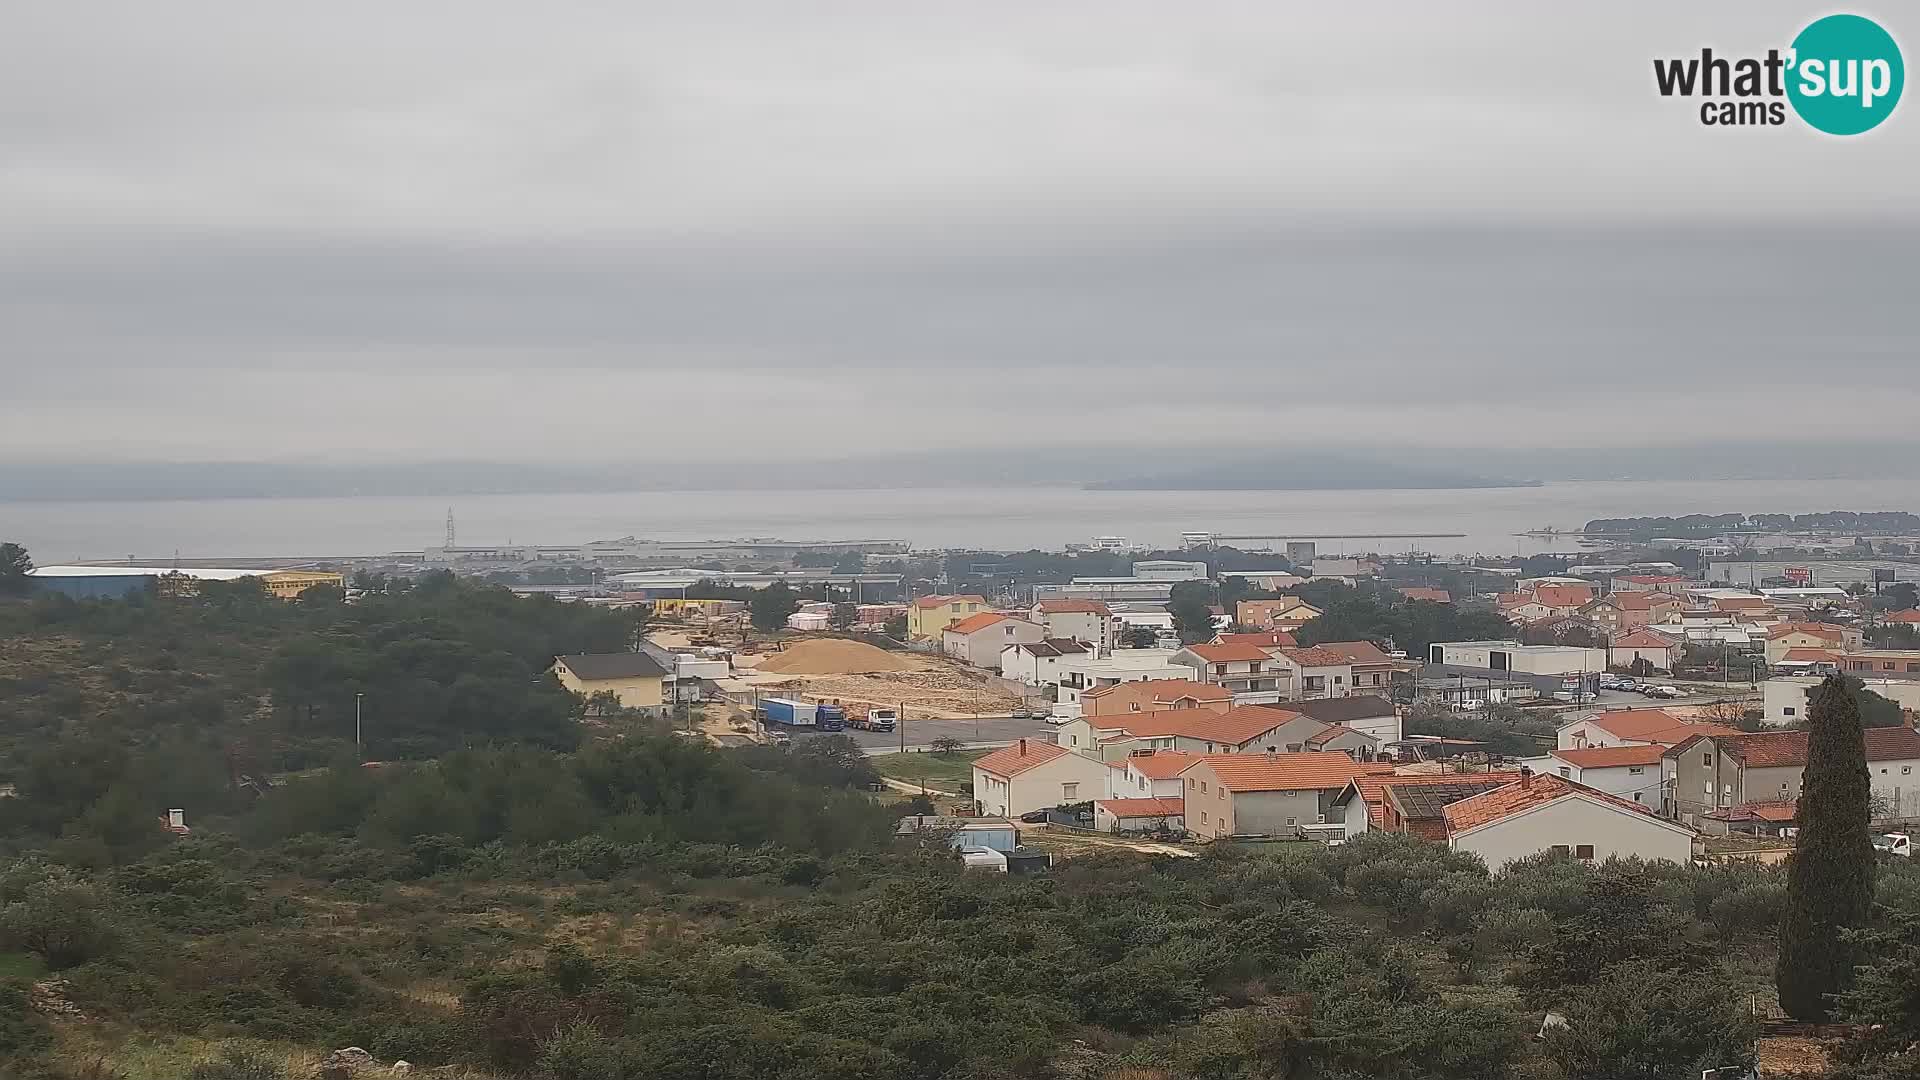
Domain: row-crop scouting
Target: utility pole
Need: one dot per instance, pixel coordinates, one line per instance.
(358, 697)
(901, 722)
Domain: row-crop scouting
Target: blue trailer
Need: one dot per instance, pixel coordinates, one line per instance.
(789, 713)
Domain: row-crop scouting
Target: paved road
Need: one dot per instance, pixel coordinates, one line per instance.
(987, 731)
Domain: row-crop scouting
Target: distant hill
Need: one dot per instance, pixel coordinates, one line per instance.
(1305, 472)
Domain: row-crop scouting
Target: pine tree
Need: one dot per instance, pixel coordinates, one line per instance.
(1830, 881)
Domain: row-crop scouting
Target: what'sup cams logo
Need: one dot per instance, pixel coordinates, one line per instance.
(1842, 75)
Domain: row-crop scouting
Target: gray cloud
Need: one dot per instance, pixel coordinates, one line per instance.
(483, 230)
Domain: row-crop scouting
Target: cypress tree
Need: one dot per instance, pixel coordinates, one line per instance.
(1830, 880)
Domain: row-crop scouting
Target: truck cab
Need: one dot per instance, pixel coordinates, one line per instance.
(829, 717)
(1900, 844)
(879, 719)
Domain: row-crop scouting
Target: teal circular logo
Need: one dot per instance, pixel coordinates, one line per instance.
(1846, 74)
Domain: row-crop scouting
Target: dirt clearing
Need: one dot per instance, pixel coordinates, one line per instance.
(834, 656)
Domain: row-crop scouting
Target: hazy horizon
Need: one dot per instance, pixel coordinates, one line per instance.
(734, 233)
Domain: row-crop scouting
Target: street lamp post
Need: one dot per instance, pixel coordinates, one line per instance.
(358, 697)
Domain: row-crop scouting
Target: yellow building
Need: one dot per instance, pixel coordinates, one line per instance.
(289, 584)
(636, 679)
(674, 607)
(930, 616)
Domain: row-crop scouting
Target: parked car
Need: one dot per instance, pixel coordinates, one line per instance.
(1663, 691)
(1034, 817)
(1021, 712)
(1059, 721)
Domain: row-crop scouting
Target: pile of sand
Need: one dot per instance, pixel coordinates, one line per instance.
(834, 656)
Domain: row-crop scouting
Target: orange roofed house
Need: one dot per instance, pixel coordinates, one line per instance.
(1154, 695)
(1266, 794)
(1241, 730)
(1783, 638)
(927, 616)
(979, 639)
(1633, 727)
(1550, 813)
(1033, 775)
(1409, 804)
(1087, 621)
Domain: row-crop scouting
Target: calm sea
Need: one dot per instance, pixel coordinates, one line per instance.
(1014, 518)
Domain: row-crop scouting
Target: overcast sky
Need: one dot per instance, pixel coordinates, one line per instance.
(627, 231)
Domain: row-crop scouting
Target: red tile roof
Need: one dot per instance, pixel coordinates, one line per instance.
(1740, 603)
(1525, 794)
(975, 623)
(1373, 787)
(1160, 690)
(1612, 757)
(1166, 806)
(1068, 607)
(1563, 596)
(1776, 812)
(1233, 727)
(1329, 733)
(1802, 654)
(1225, 654)
(1643, 639)
(1266, 638)
(1011, 761)
(1286, 772)
(1823, 631)
(1357, 652)
(1653, 726)
(1160, 764)
(1316, 656)
(1787, 749)
(1909, 616)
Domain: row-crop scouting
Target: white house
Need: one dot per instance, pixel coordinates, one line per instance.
(1785, 698)
(1551, 813)
(1644, 644)
(1087, 621)
(1252, 674)
(1151, 774)
(1033, 775)
(979, 639)
(1633, 727)
(1630, 772)
(1513, 656)
(1081, 674)
(1139, 815)
(1037, 663)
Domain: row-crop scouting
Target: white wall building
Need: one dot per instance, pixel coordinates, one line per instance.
(1513, 656)
(1550, 813)
(1037, 663)
(1785, 697)
(1630, 772)
(1033, 775)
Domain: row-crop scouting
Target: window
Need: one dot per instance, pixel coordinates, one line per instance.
(1636, 796)
(1191, 782)
(1566, 772)
(1290, 823)
(1223, 794)
(1584, 851)
(1561, 849)
(1069, 792)
(1707, 760)
(1789, 710)
(1338, 679)
(1906, 770)
(1203, 785)
(1203, 817)
(1636, 770)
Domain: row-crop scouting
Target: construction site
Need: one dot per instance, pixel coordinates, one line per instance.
(854, 672)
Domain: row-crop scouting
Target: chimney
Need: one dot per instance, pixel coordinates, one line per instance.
(176, 818)
(1271, 756)
(1526, 777)
(1023, 748)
